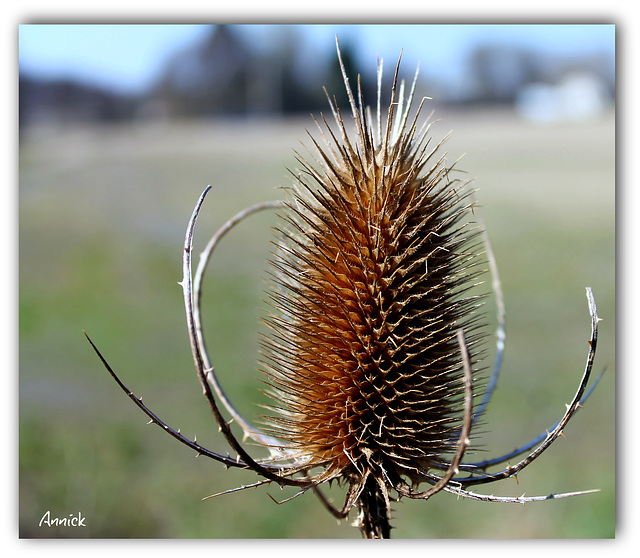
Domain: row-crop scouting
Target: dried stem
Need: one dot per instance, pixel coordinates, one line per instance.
(223, 425)
(205, 257)
(500, 330)
(226, 460)
(571, 409)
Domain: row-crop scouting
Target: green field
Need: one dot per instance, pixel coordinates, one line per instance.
(102, 218)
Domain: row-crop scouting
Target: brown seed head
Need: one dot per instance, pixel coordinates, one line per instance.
(369, 291)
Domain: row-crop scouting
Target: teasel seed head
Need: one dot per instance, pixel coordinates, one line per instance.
(376, 335)
(372, 278)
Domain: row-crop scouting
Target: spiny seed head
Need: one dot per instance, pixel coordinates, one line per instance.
(370, 279)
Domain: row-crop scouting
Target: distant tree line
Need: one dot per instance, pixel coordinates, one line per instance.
(66, 100)
(224, 75)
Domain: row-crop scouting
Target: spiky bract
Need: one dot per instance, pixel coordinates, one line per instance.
(370, 281)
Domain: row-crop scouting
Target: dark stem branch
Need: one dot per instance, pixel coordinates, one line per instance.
(374, 512)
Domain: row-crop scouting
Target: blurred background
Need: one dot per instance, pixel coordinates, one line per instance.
(133, 73)
(120, 129)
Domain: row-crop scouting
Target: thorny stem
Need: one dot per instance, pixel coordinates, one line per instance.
(570, 411)
(223, 425)
(205, 256)
(518, 499)
(226, 460)
(526, 447)
(500, 331)
(374, 513)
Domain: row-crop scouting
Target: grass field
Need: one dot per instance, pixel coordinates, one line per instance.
(102, 218)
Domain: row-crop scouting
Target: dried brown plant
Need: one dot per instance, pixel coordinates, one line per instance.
(375, 335)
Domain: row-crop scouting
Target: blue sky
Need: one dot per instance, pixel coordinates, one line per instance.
(126, 57)
(129, 57)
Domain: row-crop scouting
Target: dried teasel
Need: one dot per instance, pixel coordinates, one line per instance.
(375, 335)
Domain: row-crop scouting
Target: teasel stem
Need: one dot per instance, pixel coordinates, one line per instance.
(223, 425)
(571, 409)
(249, 430)
(154, 419)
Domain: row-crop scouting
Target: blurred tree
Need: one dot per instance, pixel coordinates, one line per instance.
(225, 75)
(209, 78)
(301, 86)
(498, 72)
(58, 102)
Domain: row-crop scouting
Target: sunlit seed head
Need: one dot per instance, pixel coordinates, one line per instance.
(375, 256)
